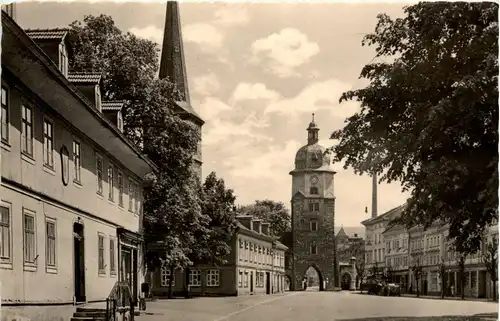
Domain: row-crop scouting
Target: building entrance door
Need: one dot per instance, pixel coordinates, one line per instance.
(268, 283)
(251, 282)
(79, 262)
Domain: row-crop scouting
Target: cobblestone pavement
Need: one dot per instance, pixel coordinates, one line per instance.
(311, 306)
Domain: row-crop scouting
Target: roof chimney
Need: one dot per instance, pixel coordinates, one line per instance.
(10, 9)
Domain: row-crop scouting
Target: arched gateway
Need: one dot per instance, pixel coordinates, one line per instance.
(313, 211)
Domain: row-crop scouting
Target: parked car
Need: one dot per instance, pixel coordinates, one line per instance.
(374, 286)
(392, 289)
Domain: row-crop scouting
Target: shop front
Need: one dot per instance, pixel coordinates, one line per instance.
(130, 258)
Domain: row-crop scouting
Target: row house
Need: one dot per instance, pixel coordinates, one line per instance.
(255, 265)
(430, 251)
(71, 187)
(375, 250)
(396, 253)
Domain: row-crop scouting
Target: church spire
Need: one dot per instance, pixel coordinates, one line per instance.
(312, 137)
(172, 64)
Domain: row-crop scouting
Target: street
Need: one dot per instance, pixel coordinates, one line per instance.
(314, 306)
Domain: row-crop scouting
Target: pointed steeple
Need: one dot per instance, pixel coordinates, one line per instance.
(172, 64)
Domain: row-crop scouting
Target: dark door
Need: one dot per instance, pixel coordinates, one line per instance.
(79, 262)
(134, 275)
(126, 256)
(268, 283)
(251, 282)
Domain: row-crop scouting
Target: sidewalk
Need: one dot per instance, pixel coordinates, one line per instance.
(437, 297)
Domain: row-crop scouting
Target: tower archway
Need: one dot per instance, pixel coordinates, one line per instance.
(313, 279)
(345, 282)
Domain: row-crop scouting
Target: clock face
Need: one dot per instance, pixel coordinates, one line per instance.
(314, 180)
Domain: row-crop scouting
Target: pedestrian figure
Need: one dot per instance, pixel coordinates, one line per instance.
(452, 291)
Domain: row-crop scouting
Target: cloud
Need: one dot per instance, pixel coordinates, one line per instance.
(231, 15)
(212, 107)
(247, 91)
(206, 85)
(273, 162)
(150, 32)
(247, 132)
(285, 51)
(205, 35)
(314, 97)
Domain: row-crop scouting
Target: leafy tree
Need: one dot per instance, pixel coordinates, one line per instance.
(417, 271)
(172, 196)
(213, 242)
(272, 212)
(361, 272)
(429, 117)
(442, 273)
(489, 256)
(461, 272)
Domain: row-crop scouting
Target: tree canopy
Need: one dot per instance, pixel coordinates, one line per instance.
(429, 116)
(272, 212)
(172, 196)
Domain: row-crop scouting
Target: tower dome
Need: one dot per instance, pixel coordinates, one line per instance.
(312, 155)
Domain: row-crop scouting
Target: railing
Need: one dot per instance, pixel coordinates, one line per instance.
(121, 298)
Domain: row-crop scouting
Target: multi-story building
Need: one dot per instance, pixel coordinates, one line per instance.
(71, 190)
(396, 253)
(255, 265)
(374, 243)
(429, 251)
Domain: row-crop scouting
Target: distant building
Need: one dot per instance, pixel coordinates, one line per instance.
(374, 242)
(255, 265)
(397, 254)
(71, 192)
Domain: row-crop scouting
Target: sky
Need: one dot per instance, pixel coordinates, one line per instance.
(256, 74)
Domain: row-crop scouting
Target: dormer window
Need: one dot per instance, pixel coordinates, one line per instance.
(119, 121)
(98, 97)
(313, 190)
(63, 59)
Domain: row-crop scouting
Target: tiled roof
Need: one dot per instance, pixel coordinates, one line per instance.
(46, 34)
(112, 105)
(84, 77)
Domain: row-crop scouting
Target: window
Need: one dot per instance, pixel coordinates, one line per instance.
(246, 280)
(112, 265)
(77, 161)
(194, 278)
(120, 188)
(101, 253)
(98, 97)
(131, 194)
(5, 115)
(313, 191)
(246, 251)
(314, 249)
(111, 194)
(314, 225)
(63, 60)
(165, 276)
(136, 198)
(240, 279)
(27, 130)
(5, 233)
(99, 174)
(213, 278)
(313, 207)
(50, 243)
(29, 239)
(48, 143)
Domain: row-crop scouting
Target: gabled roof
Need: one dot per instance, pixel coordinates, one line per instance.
(112, 105)
(342, 233)
(47, 34)
(386, 216)
(84, 77)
